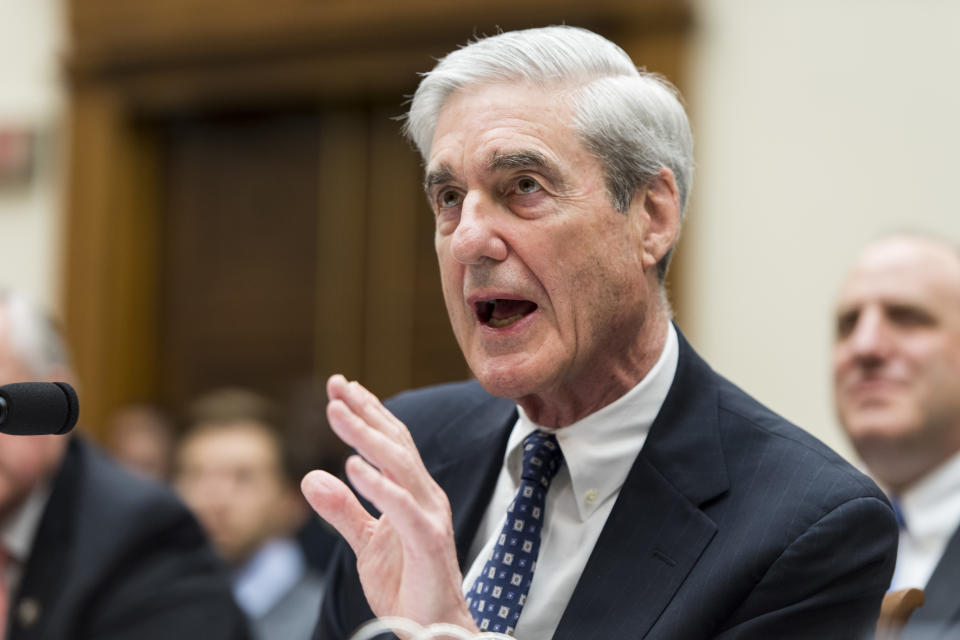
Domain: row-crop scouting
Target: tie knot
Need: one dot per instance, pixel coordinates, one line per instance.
(541, 457)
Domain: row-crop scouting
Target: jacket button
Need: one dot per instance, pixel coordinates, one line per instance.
(28, 612)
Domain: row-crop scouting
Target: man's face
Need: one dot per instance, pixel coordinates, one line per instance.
(230, 476)
(24, 460)
(547, 285)
(897, 358)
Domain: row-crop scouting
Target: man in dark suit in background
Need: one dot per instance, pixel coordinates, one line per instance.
(897, 388)
(88, 550)
(599, 480)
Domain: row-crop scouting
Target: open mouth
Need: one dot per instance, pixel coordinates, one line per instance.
(500, 312)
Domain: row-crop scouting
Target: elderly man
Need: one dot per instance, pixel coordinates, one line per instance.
(598, 480)
(86, 549)
(897, 387)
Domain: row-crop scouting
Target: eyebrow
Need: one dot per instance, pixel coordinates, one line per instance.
(516, 160)
(440, 175)
(499, 161)
(525, 159)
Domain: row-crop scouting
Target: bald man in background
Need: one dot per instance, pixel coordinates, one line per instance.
(897, 388)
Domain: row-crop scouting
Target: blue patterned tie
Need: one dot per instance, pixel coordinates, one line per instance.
(499, 592)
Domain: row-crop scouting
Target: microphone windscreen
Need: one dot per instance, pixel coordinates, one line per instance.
(38, 408)
(73, 407)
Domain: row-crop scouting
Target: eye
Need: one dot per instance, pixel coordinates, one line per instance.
(448, 198)
(527, 185)
(846, 322)
(910, 316)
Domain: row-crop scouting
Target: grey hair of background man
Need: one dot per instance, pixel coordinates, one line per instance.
(631, 120)
(34, 336)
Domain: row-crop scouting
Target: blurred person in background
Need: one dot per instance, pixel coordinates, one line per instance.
(896, 367)
(140, 437)
(88, 550)
(233, 468)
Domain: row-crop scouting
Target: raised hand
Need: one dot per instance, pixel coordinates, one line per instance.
(406, 558)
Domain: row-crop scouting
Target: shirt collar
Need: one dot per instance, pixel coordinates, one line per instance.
(17, 533)
(931, 507)
(600, 449)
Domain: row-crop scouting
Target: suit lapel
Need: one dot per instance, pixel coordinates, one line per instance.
(656, 531)
(470, 454)
(942, 604)
(49, 558)
(649, 544)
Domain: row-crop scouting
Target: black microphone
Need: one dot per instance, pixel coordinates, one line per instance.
(38, 408)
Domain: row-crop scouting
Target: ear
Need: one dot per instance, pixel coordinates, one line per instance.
(660, 200)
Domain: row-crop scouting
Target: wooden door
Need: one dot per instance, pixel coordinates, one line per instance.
(295, 245)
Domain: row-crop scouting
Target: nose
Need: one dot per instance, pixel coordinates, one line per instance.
(213, 488)
(870, 339)
(478, 234)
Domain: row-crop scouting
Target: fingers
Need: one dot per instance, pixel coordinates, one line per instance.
(398, 462)
(361, 421)
(423, 531)
(368, 407)
(335, 502)
(407, 558)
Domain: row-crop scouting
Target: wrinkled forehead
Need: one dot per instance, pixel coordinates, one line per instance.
(497, 125)
(557, 99)
(557, 90)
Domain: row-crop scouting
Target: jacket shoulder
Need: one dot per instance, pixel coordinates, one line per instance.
(422, 410)
(746, 424)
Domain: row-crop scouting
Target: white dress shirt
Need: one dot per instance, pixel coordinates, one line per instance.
(17, 533)
(931, 510)
(598, 453)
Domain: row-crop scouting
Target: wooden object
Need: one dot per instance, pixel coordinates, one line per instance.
(896, 609)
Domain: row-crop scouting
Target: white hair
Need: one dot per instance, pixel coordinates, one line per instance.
(631, 120)
(33, 335)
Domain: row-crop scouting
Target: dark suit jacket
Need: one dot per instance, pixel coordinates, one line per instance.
(732, 523)
(116, 557)
(939, 617)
